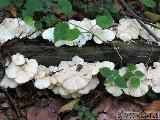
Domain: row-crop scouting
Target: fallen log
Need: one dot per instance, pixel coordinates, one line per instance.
(46, 53)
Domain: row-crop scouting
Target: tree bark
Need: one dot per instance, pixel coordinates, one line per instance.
(47, 54)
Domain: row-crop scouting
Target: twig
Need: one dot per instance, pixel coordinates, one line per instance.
(118, 53)
(139, 20)
(149, 58)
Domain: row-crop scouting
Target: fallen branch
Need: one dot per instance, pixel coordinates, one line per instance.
(139, 19)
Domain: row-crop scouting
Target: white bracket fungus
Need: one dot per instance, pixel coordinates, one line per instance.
(20, 70)
(88, 30)
(74, 78)
(68, 79)
(15, 27)
(127, 30)
(153, 75)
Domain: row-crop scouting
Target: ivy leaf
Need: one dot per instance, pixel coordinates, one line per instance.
(131, 66)
(105, 72)
(28, 20)
(50, 19)
(34, 5)
(60, 31)
(63, 6)
(116, 73)
(149, 3)
(128, 75)
(38, 25)
(135, 82)
(104, 21)
(19, 3)
(79, 4)
(119, 81)
(72, 34)
(89, 115)
(66, 6)
(4, 3)
(27, 13)
(92, 11)
(109, 79)
(111, 7)
(139, 74)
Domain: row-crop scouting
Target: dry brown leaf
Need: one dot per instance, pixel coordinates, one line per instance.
(12, 8)
(69, 106)
(153, 107)
(112, 107)
(48, 113)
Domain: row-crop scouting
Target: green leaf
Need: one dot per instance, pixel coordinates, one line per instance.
(139, 74)
(60, 31)
(4, 3)
(92, 11)
(19, 3)
(80, 4)
(109, 79)
(63, 6)
(135, 82)
(50, 19)
(81, 114)
(27, 13)
(131, 66)
(38, 25)
(34, 5)
(149, 3)
(111, 7)
(94, 113)
(28, 20)
(128, 75)
(72, 34)
(119, 81)
(104, 21)
(89, 115)
(105, 72)
(116, 73)
(66, 6)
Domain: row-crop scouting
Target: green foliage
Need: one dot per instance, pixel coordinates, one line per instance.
(113, 77)
(33, 5)
(63, 6)
(131, 66)
(104, 21)
(105, 72)
(50, 19)
(62, 32)
(135, 82)
(139, 74)
(149, 3)
(119, 81)
(72, 34)
(84, 111)
(4, 3)
(110, 6)
(28, 19)
(19, 3)
(38, 25)
(132, 76)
